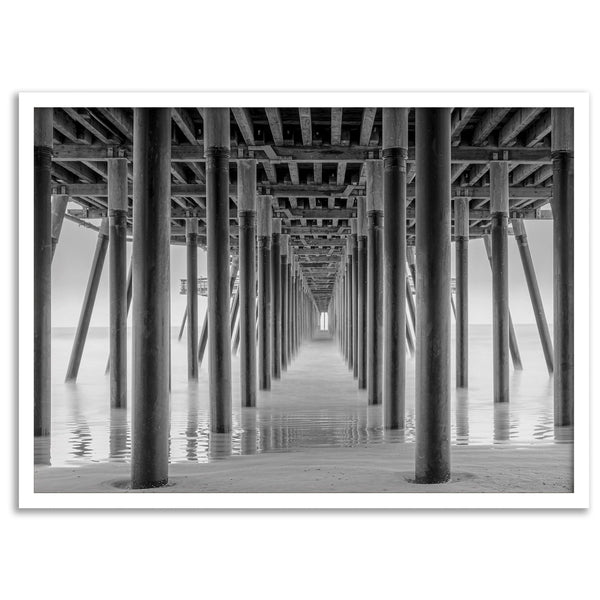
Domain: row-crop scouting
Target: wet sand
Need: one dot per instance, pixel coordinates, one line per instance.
(377, 469)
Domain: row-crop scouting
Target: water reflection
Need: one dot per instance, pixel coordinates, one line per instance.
(462, 417)
(191, 430)
(323, 410)
(219, 445)
(81, 436)
(501, 422)
(41, 450)
(249, 434)
(119, 434)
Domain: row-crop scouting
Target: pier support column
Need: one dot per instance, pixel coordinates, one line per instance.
(461, 241)
(534, 292)
(375, 281)
(89, 300)
(216, 151)
(513, 345)
(42, 267)
(563, 227)
(395, 151)
(354, 297)
(276, 297)
(117, 273)
(59, 207)
(361, 236)
(285, 243)
(151, 283)
(432, 461)
(499, 234)
(264, 229)
(350, 299)
(191, 235)
(247, 285)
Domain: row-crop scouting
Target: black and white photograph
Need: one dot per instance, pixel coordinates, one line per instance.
(332, 299)
(300, 300)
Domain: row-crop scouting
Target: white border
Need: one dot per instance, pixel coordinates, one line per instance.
(578, 499)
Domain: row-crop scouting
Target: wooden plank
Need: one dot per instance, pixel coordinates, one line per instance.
(67, 127)
(457, 170)
(244, 122)
(84, 118)
(308, 154)
(538, 131)
(290, 192)
(517, 123)
(341, 173)
(294, 176)
(318, 170)
(541, 175)
(366, 125)
(185, 124)
(305, 126)
(460, 119)
(275, 123)
(336, 126)
(490, 120)
(120, 119)
(522, 172)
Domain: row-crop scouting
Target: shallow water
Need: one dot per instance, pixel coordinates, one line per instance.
(315, 404)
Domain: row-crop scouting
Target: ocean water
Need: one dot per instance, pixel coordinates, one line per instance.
(315, 404)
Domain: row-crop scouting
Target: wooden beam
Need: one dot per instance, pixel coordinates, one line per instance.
(85, 119)
(307, 154)
(490, 120)
(341, 173)
(336, 126)
(275, 123)
(185, 124)
(460, 119)
(282, 190)
(538, 131)
(70, 129)
(120, 119)
(244, 122)
(517, 123)
(305, 126)
(366, 125)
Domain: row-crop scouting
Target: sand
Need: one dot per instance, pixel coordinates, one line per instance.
(378, 469)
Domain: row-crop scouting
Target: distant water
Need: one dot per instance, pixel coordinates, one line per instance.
(316, 404)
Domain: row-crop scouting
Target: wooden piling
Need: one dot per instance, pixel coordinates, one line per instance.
(151, 282)
(89, 300)
(361, 236)
(191, 234)
(432, 461)
(354, 245)
(285, 242)
(513, 345)
(534, 292)
(349, 300)
(563, 228)
(247, 282)
(375, 281)
(117, 273)
(216, 151)
(59, 206)
(42, 265)
(264, 231)
(499, 239)
(276, 298)
(461, 236)
(395, 151)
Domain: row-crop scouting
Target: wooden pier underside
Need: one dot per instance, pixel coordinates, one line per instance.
(312, 162)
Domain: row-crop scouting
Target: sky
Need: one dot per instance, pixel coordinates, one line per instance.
(73, 257)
